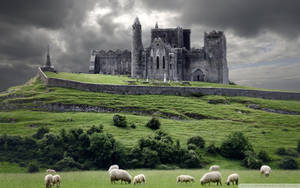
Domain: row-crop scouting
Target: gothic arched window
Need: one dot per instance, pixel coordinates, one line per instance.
(157, 62)
(164, 63)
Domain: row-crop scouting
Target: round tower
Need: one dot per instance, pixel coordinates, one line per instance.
(137, 65)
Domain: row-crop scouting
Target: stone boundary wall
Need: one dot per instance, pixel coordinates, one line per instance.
(164, 90)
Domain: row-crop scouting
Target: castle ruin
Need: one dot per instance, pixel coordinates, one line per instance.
(168, 57)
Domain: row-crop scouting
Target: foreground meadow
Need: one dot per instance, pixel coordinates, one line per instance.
(154, 178)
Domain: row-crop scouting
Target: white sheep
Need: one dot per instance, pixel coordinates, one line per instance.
(50, 171)
(214, 176)
(214, 168)
(265, 169)
(119, 174)
(57, 180)
(49, 181)
(185, 178)
(234, 178)
(139, 179)
(113, 167)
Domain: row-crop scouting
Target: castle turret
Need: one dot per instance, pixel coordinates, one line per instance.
(137, 63)
(215, 49)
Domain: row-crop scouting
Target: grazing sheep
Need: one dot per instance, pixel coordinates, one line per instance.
(234, 178)
(214, 176)
(265, 169)
(139, 179)
(57, 180)
(119, 174)
(49, 180)
(50, 171)
(185, 178)
(214, 168)
(113, 167)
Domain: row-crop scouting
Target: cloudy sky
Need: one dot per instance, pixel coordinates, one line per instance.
(263, 36)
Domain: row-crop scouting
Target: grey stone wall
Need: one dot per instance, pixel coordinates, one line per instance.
(158, 90)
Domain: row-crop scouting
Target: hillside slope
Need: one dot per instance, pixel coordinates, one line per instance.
(269, 124)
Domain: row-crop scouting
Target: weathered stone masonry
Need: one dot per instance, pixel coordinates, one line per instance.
(158, 90)
(168, 57)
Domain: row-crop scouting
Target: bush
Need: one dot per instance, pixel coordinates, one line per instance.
(235, 146)
(298, 146)
(263, 155)
(41, 132)
(67, 164)
(153, 124)
(288, 163)
(119, 121)
(95, 129)
(33, 168)
(191, 147)
(251, 160)
(133, 126)
(281, 151)
(197, 141)
(212, 149)
(191, 160)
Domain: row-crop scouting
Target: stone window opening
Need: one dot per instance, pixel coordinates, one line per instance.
(170, 66)
(157, 62)
(164, 63)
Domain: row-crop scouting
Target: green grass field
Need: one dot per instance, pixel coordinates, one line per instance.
(154, 178)
(123, 80)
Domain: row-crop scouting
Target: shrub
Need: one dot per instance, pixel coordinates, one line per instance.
(153, 124)
(235, 146)
(263, 155)
(33, 168)
(150, 158)
(119, 121)
(197, 141)
(41, 132)
(191, 147)
(95, 129)
(281, 151)
(212, 149)
(298, 146)
(288, 163)
(251, 160)
(67, 164)
(133, 126)
(191, 160)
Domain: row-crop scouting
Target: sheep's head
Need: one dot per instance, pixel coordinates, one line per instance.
(202, 182)
(193, 180)
(267, 173)
(227, 183)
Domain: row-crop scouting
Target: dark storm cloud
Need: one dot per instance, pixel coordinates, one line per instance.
(244, 17)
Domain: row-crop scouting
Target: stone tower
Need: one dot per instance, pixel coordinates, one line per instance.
(48, 66)
(48, 62)
(215, 48)
(137, 63)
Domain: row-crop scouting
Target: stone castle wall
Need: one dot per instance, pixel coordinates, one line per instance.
(110, 62)
(158, 90)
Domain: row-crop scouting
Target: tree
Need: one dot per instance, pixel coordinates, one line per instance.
(153, 124)
(235, 146)
(119, 121)
(197, 141)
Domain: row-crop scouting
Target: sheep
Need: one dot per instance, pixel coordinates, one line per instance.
(265, 169)
(214, 168)
(49, 180)
(185, 178)
(50, 171)
(214, 176)
(234, 178)
(139, 179)
(119, 174)
(113, 167)
(57, 180)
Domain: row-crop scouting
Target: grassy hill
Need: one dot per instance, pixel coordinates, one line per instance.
(211, 117)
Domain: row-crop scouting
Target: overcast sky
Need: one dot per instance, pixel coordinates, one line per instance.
(263, 36)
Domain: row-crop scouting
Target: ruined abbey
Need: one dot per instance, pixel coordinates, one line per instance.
(168, 57)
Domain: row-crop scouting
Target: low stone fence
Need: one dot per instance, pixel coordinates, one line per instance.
(166, 90)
